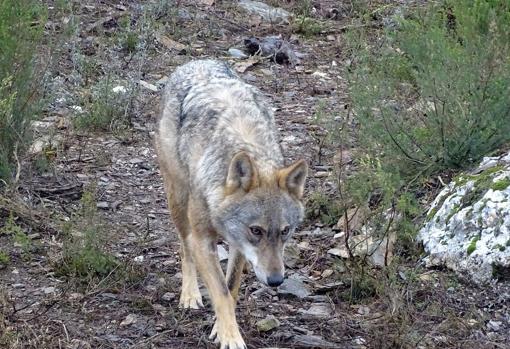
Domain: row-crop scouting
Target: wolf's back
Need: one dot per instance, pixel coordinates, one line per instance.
(210, 114)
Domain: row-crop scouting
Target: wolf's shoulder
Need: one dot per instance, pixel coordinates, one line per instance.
(201, 71)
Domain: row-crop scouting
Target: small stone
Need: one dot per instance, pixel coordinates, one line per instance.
(18, 285)
(312, 341)
(339, 235)
(321, 174)
(77, 108)
(236, 53)
(494, 325)
(119, 89)
(148, 86)
(359, 341)
(169, 296)
(102, 205)
(326, 273)
(264, 11)
(129, 320)
(363, 310)
(472, 322)
(295, 287)
(318, 310)
(267, 324)
(340, 252)
(222, 253)
(48, 290)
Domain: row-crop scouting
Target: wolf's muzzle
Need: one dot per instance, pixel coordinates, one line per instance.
(275, 280)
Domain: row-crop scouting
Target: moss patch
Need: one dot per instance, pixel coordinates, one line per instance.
(502, 184)
(482, 183)
(472, 245)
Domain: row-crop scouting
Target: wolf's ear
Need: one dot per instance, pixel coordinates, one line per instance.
(293, 178)
(241, 173)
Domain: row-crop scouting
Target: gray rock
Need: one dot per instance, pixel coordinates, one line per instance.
(295, 287)
(102, 205)
(468, 224)
(311, 341)
(494, 325)
(264, 11)
(236, 53)
(318, 310)
(169, 296)
(222, 253)
(267, 324)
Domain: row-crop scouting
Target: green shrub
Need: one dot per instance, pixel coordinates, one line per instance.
(431, 97)
(21, 25)
(434, 96)
(17, 234)
(4, 259)
(84, 255)
(105, 109)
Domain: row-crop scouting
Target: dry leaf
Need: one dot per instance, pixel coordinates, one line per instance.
(171, 44)
(356, 218)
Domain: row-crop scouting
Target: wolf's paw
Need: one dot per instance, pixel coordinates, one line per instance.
(228, 337)
(190, 300)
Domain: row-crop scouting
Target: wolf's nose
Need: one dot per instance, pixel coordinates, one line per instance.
(274, 280)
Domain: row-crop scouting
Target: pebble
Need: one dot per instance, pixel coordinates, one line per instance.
(236, 53)
(267, 324)
(169, 296)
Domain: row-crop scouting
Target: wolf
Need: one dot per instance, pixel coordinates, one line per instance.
(225, 178)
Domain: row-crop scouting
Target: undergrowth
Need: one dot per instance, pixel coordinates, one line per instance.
(21, 25)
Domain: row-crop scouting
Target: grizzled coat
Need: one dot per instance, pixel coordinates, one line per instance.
(215, 111)
(224, 175)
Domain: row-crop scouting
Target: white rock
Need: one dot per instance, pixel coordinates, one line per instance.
(468, 227)
(148, 86)
(77, 108)
(119, 89)
(129, 320)
(264, 11)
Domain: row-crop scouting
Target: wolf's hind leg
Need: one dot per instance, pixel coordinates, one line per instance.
(178, 205)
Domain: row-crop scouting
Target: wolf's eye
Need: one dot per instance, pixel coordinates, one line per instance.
(285, 231)
(257, 231)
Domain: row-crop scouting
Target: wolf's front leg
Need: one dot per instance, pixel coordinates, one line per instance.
(235, 266)
(225, 330)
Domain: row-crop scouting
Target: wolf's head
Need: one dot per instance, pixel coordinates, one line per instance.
(260, 212)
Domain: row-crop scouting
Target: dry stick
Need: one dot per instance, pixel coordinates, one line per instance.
(340, 192)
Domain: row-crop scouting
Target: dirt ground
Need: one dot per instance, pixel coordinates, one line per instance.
(407, 306)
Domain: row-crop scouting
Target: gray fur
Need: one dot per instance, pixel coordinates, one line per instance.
(209, 115)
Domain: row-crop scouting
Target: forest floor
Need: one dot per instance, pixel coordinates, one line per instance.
(49, 296)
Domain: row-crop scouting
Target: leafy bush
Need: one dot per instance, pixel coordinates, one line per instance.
(435, 95)
(84, 256)
(429, 97)
(105, 108)
(21, 25)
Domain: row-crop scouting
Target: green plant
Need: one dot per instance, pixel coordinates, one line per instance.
(18, 235)
(84, 254)
(4, 258)
(431, 97)
(472, 245)
(435, 97)
(105, 109)
(307, 26)
(325, 208)
(21, 25)
(129, 37)
(501, 184)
